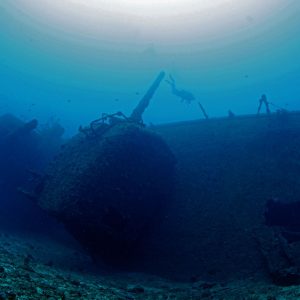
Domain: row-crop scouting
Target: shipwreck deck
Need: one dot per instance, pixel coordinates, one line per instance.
(227, 169)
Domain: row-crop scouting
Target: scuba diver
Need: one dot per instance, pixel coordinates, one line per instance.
(184, 95)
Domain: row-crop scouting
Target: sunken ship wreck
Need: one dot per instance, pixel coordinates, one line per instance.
(197, 199)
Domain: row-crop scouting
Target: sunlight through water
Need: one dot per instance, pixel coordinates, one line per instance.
(162, 21)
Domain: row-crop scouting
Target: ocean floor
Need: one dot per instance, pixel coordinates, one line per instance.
(37, 268)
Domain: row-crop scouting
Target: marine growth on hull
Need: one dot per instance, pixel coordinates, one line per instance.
(111, 183)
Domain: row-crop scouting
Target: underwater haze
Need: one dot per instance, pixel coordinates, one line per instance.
(73, 60)
(150, 149)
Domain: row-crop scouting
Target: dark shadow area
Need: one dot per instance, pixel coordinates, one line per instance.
(286, 216)
(111, 188)
(25, 151)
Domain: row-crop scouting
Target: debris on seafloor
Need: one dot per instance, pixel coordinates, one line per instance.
(285, 217)
(111, 183)
(32, 269)
(279, 243)
(278, 257)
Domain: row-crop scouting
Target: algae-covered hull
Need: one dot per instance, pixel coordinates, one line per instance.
(214, 227)
(109, 187)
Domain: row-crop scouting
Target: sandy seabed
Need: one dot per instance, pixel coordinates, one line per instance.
(38, 268)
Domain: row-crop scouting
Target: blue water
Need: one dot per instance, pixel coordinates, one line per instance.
(68, 61)
(65, 62)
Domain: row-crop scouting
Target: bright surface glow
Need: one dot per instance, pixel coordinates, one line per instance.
(150, 8)
(151, 21)
(226, 52)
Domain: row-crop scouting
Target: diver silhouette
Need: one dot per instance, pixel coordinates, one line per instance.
(184, 95)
